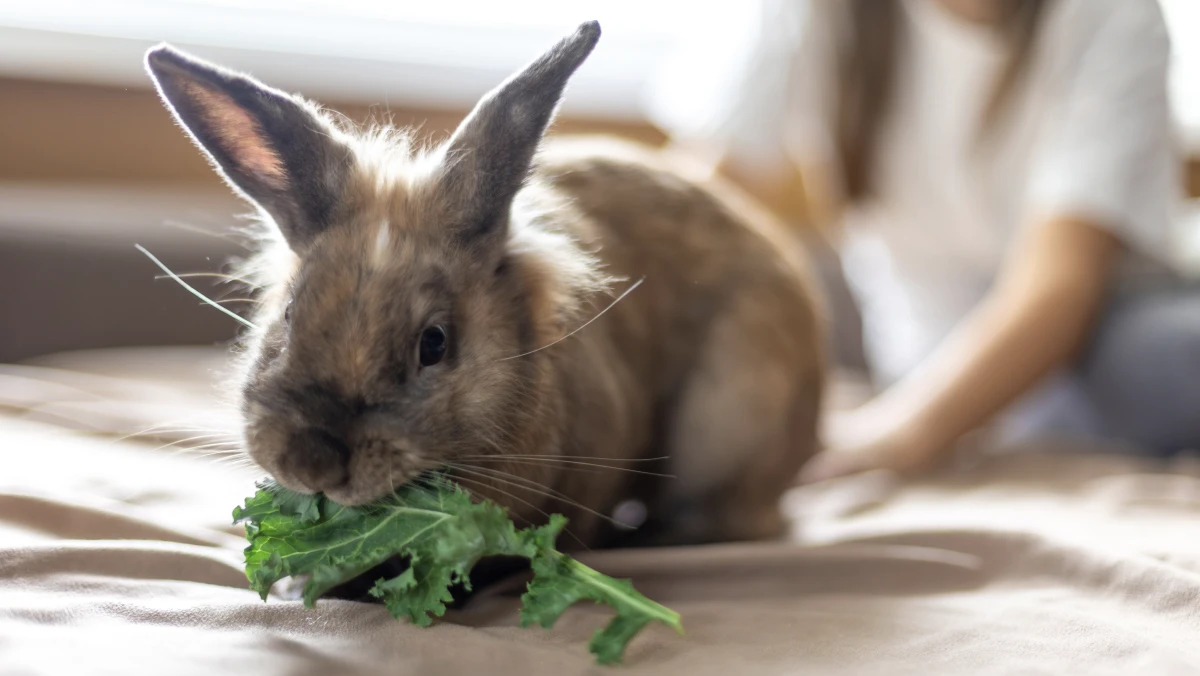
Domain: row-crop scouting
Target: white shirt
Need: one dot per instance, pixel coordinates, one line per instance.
(1089, 134)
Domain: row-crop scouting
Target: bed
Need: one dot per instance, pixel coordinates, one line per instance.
(117, 557)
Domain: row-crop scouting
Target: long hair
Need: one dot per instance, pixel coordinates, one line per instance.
(867, 41)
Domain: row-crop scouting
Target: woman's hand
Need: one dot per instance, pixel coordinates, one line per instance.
(870, 437)
(1037, 315)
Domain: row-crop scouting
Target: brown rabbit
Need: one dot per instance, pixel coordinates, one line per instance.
(429, 309)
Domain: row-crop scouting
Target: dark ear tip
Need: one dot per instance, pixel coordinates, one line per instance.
(589, 30)
(577, 46)
(587, 35)
(159, 53)
(162, 56)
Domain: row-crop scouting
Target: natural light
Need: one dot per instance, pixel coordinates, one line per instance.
(429, 53)
(439, 53)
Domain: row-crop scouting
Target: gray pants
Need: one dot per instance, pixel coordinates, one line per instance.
(1137, 382)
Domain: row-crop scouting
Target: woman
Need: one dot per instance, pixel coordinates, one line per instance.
(1000, 178)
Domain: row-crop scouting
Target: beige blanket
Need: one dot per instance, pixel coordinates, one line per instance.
(117, 557)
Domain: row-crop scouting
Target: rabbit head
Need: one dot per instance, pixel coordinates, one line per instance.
(382, 347)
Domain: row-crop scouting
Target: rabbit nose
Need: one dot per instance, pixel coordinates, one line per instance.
(318, 459)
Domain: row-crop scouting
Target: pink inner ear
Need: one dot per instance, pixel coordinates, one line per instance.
(239, 135)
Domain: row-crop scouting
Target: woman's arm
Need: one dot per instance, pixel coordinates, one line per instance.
(1110, 154)
(1033, 321)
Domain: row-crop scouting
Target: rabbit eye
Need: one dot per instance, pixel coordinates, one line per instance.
(433, 345)
(287, 311)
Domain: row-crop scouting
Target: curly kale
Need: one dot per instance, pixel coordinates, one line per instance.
(443, 534)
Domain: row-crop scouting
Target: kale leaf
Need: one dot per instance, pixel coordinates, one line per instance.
(443, 534)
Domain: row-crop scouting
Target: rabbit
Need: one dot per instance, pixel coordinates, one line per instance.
(451, 307)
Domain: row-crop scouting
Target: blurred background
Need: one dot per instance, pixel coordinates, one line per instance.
(91, 163)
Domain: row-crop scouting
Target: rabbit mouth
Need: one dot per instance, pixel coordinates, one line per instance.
(373, 477)
(350, 472)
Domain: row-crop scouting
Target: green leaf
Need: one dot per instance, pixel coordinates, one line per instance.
(443, 534)
(560, 582)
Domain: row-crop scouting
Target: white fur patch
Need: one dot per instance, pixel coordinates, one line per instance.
(381, 254)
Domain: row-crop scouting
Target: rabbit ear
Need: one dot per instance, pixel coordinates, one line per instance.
(270, 146)
(491, 152)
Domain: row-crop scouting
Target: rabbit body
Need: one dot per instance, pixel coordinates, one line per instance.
(713, 363)
(452, 309)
